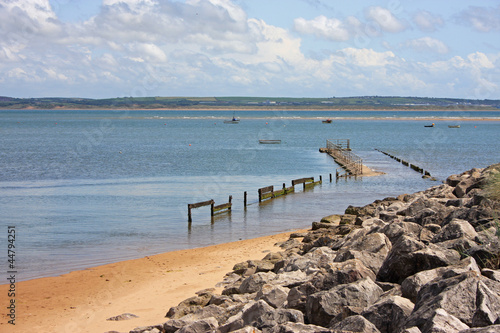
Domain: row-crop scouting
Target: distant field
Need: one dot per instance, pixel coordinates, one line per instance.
(264, 103)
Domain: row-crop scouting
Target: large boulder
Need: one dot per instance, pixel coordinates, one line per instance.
(473, 299)
(409, 256)
(355, 323)
(389, 314)
(456, 229)
(341, 301)
(412, 284)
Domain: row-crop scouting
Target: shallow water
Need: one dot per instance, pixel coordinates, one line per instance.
(89, 187)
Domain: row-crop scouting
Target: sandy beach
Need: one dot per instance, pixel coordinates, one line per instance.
(81, 301)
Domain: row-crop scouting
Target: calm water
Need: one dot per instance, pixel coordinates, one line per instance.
(84, 188)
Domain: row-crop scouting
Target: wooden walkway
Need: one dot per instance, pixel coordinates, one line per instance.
(340, 150)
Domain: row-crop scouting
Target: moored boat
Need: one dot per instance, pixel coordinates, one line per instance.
(327, 121)
(453, 126)
(431, 125)
(270, 141)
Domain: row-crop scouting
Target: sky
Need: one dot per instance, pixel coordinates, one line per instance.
(269, 48)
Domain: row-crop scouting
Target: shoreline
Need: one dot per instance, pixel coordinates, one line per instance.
(82, 300)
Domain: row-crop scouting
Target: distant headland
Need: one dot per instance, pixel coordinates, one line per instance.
(376, 103)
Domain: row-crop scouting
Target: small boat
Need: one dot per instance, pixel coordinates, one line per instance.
(432, 125)
(327, 121)
(453, 126)
(270, 141)
(232, 121)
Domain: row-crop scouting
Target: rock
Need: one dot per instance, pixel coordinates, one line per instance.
(275, 296)
(189, 305)
(123, 316)
(300, 327)
(409, 256)
(489, 329)
(297, 296)
(255, 282)
(173, 325)
(412, 284)
(473, 299)
(456, 229)
(355, 323)
(334, 219)
(347, 219)
(389, 314)
(441, 321)
(395, 230)
(147, 329)
(341, 301)
(491, 274)
(200, 326)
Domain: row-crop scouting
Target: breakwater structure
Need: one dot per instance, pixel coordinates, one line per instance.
(213, 208)
(340, 150)
(425, 173)
(264, 193)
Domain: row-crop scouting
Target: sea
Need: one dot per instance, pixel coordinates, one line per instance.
(83, 188)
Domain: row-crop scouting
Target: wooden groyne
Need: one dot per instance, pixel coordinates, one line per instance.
(340, 150)
(265, 193)
(426, 174)
(213, 208)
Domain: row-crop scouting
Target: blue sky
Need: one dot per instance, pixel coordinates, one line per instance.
(290, 48)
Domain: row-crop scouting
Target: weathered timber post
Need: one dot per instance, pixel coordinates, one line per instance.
(230, 205)
(245, 198)
(330, 177)
(212, 205)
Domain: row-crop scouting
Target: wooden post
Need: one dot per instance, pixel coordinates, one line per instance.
(330, 177)
(230, 199)
(260, 195)
(245, 198)
(212, 205)
(189, 214)
(321, 178)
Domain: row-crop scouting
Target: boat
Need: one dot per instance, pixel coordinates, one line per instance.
(432, 125)
(453, 126)
(270, 141)
(327, 121)
(234, 120)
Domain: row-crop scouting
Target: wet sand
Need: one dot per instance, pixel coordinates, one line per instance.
(81, 301)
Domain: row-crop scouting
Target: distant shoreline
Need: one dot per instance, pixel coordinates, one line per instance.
(275, 108)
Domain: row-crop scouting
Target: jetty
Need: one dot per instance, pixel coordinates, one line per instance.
(340, 150)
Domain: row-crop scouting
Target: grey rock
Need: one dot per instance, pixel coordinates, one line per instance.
(300, 327)
(412, 284)
(395, 230)
(389, 314)
(456, 229)
(491, 274)
(489, 329)
(200, 326)
(273, 295)
(473, 299)
(341, 301)
(409, 256)
(254, 282)
(355, 323)
(443, 322)
(123, 316)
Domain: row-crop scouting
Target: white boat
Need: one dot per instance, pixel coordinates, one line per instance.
(453, 126)
(270, 141)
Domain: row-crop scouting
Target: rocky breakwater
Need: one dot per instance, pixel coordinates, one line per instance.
(422, 262)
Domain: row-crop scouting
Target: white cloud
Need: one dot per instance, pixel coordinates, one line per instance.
(368, 57)
(427, 44)
(483, 19)
(323, 27)
(384, 19)
(427, 22)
